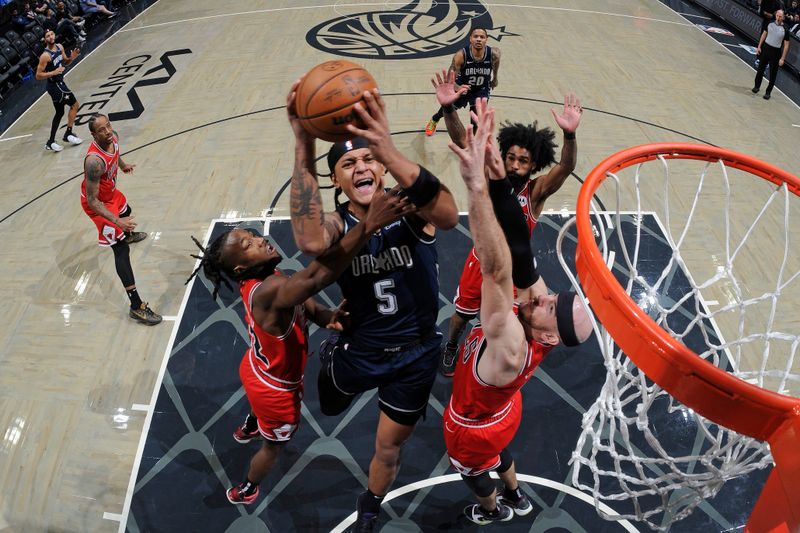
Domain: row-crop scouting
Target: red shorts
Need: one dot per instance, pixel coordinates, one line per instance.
(474, 446)
(468, 293)
(108, 234)
(277, 410)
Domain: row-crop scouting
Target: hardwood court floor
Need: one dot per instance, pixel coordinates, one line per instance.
(210, 141)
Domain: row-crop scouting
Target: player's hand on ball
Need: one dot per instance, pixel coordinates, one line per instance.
(376, 132)
(300, 133)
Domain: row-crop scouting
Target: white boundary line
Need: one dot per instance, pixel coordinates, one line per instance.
(126, 507)
(140, 407)
(76, 66)
(534, 480)
(112, 516)
(796, 125)
(17, 137)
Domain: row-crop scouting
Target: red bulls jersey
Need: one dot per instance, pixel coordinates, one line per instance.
(107, 189)
(524, 202)
(281, 360)
(475, 400)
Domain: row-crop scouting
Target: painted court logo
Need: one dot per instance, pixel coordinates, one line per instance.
(124, 82)
(419, 29)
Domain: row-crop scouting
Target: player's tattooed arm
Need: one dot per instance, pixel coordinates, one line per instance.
(495, 66)
(314, 231)
(93, 169)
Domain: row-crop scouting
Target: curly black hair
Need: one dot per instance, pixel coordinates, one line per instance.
(539, 142)
(218, 271)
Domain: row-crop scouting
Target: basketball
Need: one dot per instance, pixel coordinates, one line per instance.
(326, 96)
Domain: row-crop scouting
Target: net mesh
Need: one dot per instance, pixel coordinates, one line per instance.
(717, 288)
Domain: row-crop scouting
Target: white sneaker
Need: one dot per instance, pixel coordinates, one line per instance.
(53, 146)
(73, 139)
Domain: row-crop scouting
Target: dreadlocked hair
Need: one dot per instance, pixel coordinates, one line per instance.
(212, 265)
(540, 143)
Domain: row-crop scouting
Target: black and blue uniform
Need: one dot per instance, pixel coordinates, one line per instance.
(392, 292)
(477, 74)
(56, 87)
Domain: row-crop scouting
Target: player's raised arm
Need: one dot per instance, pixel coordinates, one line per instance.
(314, 231)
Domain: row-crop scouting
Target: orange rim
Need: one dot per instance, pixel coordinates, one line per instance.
(710, 391)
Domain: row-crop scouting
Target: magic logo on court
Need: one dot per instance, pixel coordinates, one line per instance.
(123, 83)
(422, 28)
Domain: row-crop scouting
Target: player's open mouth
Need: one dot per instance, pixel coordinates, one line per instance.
(363, 185)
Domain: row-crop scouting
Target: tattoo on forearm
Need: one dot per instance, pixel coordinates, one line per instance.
(305, 199)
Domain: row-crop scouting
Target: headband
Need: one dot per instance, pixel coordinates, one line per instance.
(566, 327)
(342, 147)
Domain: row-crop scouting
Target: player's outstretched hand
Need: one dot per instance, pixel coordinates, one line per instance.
(340, 319)
(446, 90)
(372, 112)
(128, 169)
(300, 133)
(387, 207)
(570, 118)
(473, 156)
(494, 160)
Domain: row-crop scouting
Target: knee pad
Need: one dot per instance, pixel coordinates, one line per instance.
(332, 401)
(506, 461)
(481, 485)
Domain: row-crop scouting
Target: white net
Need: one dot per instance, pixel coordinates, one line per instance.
(725, 285)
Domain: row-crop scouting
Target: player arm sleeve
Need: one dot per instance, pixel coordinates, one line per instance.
(512, 221)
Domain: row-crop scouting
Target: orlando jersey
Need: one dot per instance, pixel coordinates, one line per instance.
(472, 398)
(55, 61)
(476, 73)
(279, 361)
(392, 285)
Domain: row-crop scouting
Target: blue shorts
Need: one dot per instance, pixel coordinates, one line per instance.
(403, 375)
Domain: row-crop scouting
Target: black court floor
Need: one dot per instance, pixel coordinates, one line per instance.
(190, 457)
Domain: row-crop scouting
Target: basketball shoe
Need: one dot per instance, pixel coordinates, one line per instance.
(145, 315)
(53, 147)
(477, 515)
(72, 139)
(238, 496)
(135, 236)
(447, 365)
(430, 128)
(365, 521)
(518, 502)
(242, 435)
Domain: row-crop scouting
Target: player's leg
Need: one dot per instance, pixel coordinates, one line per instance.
(73, 104)
(334, 373)
(59, 114)
(762, 66)
(403, 399)
(262, 462)
(512, 495)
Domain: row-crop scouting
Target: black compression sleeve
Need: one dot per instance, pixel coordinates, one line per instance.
(512, 221)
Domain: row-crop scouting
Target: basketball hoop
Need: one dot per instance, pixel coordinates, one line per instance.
(668, 355)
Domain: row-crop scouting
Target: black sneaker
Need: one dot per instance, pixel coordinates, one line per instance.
(135, 236)
(145, 315)
(754, 90)
(477, 515)
(447, 366)
(365, 522)
(767, 96)
(521, 506)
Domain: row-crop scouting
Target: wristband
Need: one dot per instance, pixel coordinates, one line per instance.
(449, 108)
(569, 135)
(424, 189)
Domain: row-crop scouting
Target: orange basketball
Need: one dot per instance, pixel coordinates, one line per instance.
(326, 96)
